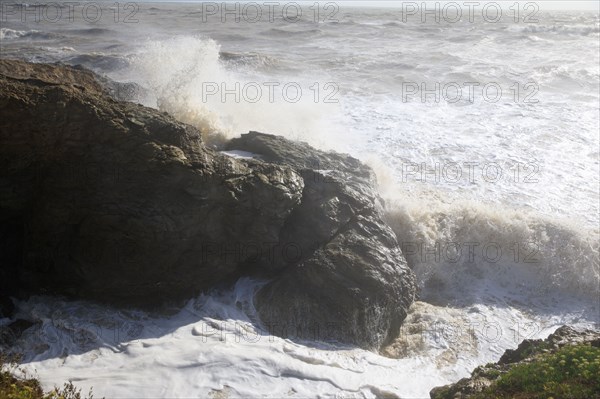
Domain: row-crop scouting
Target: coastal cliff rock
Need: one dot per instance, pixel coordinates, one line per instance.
(116, 202)
(483, 379)
(352, 262)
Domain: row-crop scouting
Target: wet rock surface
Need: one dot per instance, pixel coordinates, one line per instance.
(352, 282)
(122, 203)
(115, 202)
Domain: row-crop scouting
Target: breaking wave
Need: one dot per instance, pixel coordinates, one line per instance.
(467, 252)
(193, 83)
(569, 30)
(10, 34)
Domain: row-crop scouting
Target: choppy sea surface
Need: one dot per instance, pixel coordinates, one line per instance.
(485, 138)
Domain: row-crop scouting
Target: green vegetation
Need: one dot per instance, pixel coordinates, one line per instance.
(14, 387)
(573, 372)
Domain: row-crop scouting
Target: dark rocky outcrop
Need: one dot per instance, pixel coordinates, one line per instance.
(7, 307)
(351, 261)
(10, 333)
(116, 202)
(122, 203)
(528, 351)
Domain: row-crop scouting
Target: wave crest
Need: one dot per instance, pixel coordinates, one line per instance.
(468, 251)
(10, 34)
(176, 73)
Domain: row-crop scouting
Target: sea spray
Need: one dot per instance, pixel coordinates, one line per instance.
(186, 77)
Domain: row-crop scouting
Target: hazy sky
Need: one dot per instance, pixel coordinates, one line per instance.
(588, 5)
(591, 5)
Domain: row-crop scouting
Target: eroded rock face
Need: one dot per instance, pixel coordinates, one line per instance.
(117, 202)
(352, 282)
(112, 201)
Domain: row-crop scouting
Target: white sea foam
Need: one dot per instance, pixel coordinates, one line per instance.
(241, 154)
(6, 33)
(544, 208)
(214, 345)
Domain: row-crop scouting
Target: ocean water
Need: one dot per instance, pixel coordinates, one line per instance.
(485, 138)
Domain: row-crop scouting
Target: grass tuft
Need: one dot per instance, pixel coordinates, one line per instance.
(573, 372)
(16, 384)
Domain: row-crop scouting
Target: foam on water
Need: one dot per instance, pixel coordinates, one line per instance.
(8, 34)
(541, 216)
(214, 345)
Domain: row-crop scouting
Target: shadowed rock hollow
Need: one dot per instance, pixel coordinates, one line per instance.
(119, 203)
